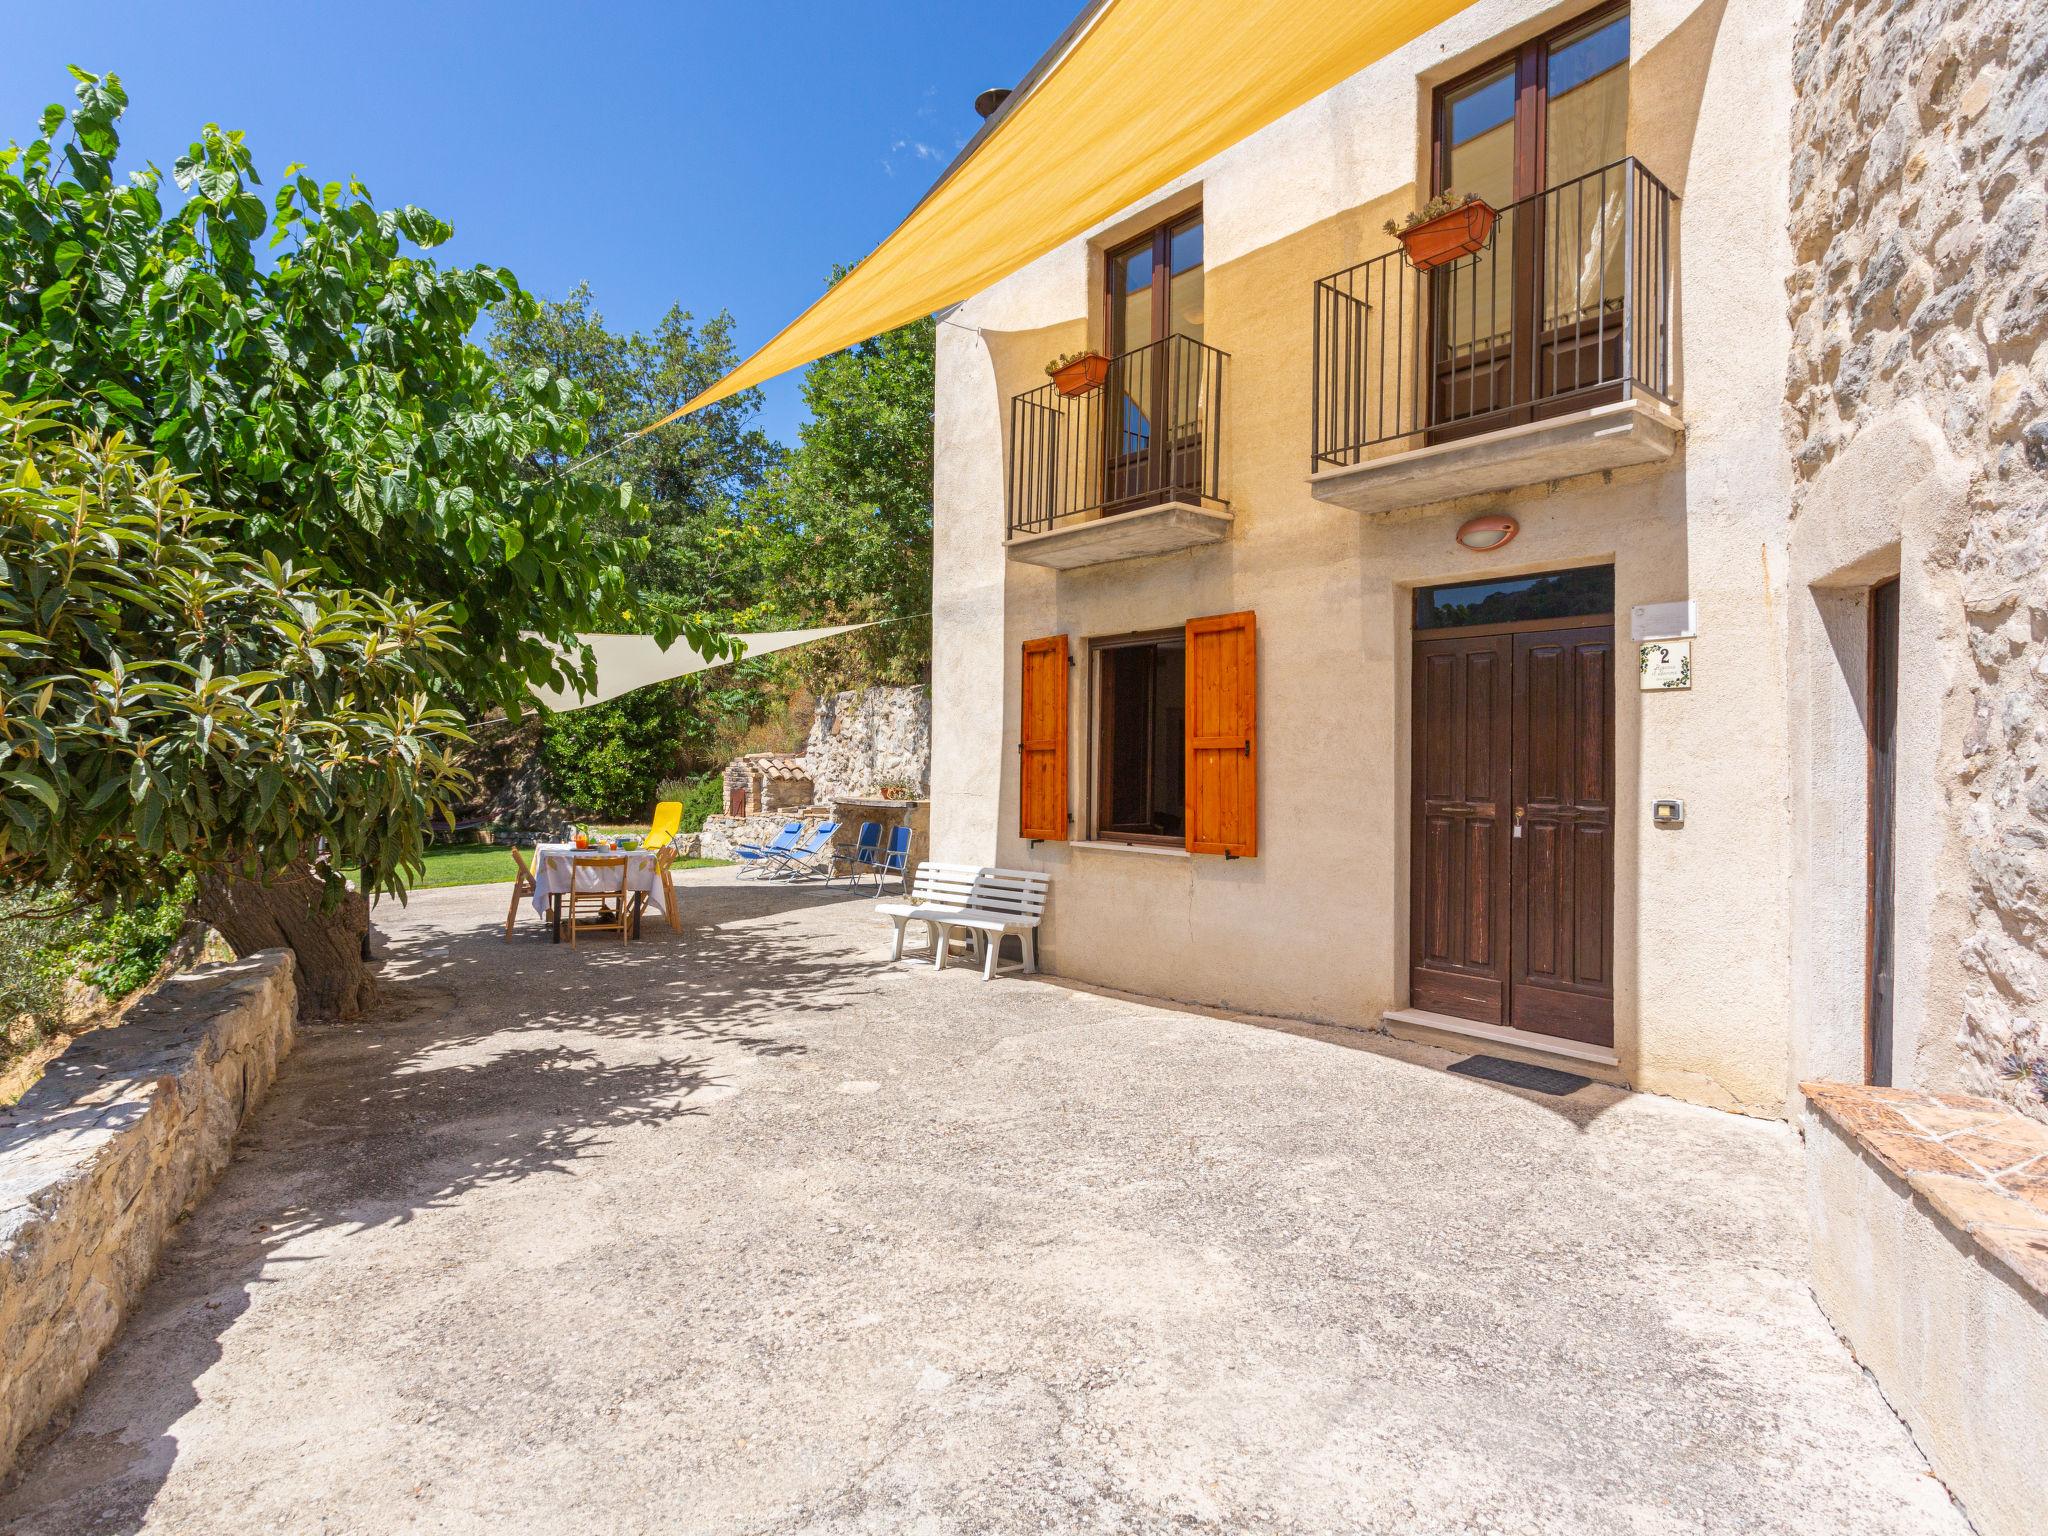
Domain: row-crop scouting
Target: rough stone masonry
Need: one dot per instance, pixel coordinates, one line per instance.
(122, 1136)
(1918, 206)
(874, 736)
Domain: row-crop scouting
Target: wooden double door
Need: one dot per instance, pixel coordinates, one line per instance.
(1512, 897)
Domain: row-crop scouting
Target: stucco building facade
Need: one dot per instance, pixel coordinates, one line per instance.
(1440, 786)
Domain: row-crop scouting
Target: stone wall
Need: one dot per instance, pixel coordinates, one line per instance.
(721, 834)
(1920, 139)
(123, 1135)
(511, 784)
(863, 739)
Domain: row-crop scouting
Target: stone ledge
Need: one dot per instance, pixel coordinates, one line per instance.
(1639, 431)
(123, 1135)
(1134, 535)
(1980, 1167)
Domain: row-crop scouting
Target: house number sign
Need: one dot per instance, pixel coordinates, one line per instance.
(1666, 664)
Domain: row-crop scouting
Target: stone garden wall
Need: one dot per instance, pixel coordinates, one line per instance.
(862, 740)
(722, 833)
(1919, 196)
(123, 1135)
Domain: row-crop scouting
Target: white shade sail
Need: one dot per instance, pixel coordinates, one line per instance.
(626, 662)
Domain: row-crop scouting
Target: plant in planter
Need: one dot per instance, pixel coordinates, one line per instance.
(1078, 373)
(1448, 226)
(896, 789)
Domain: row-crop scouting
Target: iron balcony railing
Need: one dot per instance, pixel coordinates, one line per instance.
(1151, 434)
(1568, 306)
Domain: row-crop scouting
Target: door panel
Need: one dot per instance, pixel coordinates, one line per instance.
(1459, 897)
(1561, 973)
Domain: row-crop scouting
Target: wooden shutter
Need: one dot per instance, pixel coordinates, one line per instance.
(1042, 742)
(1223, 736)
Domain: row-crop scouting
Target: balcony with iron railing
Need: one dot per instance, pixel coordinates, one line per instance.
(1544, 355)
(1128, 469)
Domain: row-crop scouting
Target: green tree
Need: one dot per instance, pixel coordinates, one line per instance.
(169, 702)
(606, 761)
(327, 394)
(690, 479)
(846, 517)
(331, 395)
(702, 558)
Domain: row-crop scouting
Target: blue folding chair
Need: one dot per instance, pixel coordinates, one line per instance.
(808, 857)
(867, 852)
(764, 855)
(896, 861)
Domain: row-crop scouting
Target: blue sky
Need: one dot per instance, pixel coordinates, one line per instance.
(713, 155)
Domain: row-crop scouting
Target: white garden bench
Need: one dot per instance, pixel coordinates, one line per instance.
(988, 904)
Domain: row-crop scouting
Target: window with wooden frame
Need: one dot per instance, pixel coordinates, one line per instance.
(1156, 286)
(1154, 438)
(1140, 712)
(1532, 132)
(1173, 727)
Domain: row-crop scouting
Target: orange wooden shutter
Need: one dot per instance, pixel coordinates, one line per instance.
(1223, 736)
(1042, 741)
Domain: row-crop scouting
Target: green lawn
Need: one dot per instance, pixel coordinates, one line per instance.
(475, 864)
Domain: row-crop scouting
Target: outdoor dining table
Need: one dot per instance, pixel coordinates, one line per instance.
(556, 865)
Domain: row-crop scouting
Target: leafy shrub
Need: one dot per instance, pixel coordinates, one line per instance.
(605, 762)
(123, 952)
(172, 702)
(700, 795)
(704, 796)
(36, 959)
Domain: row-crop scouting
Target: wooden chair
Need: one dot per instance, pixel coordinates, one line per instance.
(522, 888)
(662, 861)
(600, 883)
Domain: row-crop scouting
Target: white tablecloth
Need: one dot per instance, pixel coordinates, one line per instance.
(556, 864)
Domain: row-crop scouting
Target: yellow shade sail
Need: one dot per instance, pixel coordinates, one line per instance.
(1144, 91)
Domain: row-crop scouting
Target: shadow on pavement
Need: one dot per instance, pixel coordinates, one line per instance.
(486, 1062)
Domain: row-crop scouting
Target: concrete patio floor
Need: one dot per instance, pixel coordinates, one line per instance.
(744, 1231)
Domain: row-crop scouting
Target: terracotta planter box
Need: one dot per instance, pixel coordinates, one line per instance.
(1082, 376)
(1461, 232)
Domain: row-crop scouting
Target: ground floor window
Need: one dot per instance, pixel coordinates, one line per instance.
(1140, 737)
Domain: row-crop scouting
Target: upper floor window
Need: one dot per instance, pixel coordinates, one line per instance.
(1155, 286)
(1554, 110)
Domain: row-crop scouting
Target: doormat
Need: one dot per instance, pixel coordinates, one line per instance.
(1520, 1074)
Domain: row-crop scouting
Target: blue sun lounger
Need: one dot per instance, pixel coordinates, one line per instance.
(763, 855)
(809, 857)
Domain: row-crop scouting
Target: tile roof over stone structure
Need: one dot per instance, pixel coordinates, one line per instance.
(767, 781)
(774, 765)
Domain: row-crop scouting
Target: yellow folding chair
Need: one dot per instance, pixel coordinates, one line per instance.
(668, 821)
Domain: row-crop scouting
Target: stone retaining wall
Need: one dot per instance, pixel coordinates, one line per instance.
(721, 833)
(123, 1135)
(864, 739)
